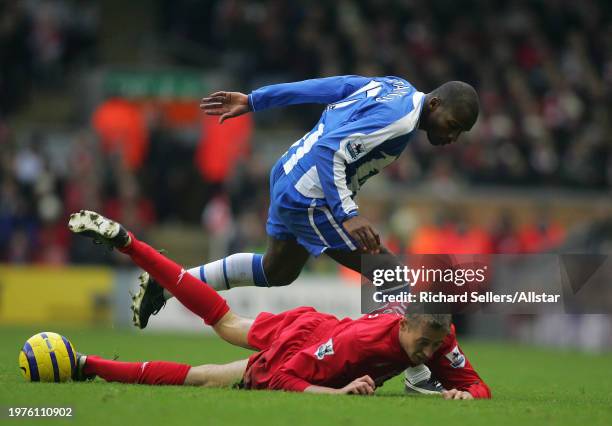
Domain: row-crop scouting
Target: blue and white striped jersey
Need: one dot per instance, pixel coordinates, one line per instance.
(365, 126)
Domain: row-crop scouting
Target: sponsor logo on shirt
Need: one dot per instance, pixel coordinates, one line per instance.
(456, 358)
(325, 349)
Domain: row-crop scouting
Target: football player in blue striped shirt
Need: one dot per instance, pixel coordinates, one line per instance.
(365, 126)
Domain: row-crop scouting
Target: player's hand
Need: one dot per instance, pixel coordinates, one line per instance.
(361, 386)
(225, 104)
(456, 394)
(362, 231)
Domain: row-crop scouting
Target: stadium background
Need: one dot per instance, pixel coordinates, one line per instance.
(98, 110)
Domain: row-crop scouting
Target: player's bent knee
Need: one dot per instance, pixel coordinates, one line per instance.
(283, 279)
(280, 275)
(283, 262)
(234, 329)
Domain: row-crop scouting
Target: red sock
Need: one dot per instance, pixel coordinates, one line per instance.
(149, 373)
(199, 298)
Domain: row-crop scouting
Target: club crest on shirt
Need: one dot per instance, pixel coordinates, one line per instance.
(354, 148)
(326, 348)
(456, 358)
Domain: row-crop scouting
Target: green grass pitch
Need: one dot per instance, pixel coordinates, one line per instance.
(530, 386)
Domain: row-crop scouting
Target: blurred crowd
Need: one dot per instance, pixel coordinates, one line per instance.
(41, 41)
(44, 179)
(543, 71)
(450, 231)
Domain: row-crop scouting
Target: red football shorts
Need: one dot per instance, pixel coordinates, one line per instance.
(279, 337)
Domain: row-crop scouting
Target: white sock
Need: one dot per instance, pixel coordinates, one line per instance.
(237, 270)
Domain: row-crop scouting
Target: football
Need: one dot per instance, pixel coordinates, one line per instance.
(47, 357)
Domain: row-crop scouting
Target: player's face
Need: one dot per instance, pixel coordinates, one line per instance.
(444, 128)
(419, 341)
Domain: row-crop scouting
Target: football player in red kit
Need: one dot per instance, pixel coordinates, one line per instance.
(298, 350)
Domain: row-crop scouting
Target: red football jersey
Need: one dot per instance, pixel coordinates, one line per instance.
(303, 347)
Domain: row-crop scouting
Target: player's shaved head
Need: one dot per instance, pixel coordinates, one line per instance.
(449, 110)
(441, 322)
(460, 98)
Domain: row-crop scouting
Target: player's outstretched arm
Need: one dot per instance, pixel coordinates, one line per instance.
(452, 367)
(361, 386)
(314, 91)
(225, 104)
(318, 90)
